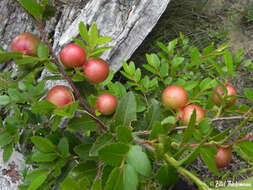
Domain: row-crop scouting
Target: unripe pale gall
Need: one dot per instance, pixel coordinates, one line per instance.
(220, 91)
(60, 96)
(187, 112)
(106, 104)
(174, 97)
(96, 70)
(223, 157)
(25, 43)
(72, 56)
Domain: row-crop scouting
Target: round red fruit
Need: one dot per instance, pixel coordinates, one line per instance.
(25, 43)
(174, 97)
(106, 104)
(230, 91)
(73, 56)
(223, 157)
(187, 112)
(96, 70)
(60, 96)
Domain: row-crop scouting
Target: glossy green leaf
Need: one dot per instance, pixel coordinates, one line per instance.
(70, 184)
(153, 114)
(83, 150)
(113, 154)
(7, 56)
(43, 50)
(190, 128)
(115, 180)
(85, 122)
(68, 110)
(157, 130)
(103, 40)
(126, 110)
(32, 7)
(7, 152)
(248, 93)
(83, 31)
(229, 62)
(92, 36)
(36, 183)
(5, 138)
(43, 107)
(44, 157)
(4, 100)
(167, 175)
(63, 147)
(100, 142)
(97, 185)
(130, 178)
(43, 144)
(124, 134)
(207, 154)
(139, 160)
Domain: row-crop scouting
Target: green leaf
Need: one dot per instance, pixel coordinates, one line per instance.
(157, 129)
(130, 178)
(56, 122)
(43, 50)
(139, 160)
(5, 138)
(68, 110)
(93, 36)
(189, 85)
(83, 150)
(87, 169)
(63, 147)
(43, 144)
(207, 154)
(7, 56)
(189, 130)
(99, 51)
(27, 60)
(126, 110)
(85, 123)
(36, 183)
(44, 157)
(167, 175)
(83, 31)
(248, 93)
(246, 148)
(97, 185)
(7, 152)
(103, 40)
(70, 184)
(113, 154)
(171, 46)
(32, 7)
(100, 142)
(168, 120)
(115, 180)
(229, 62)
(4, 100)
(43, 107)
(153, 114)
(35, 174)
(124, 134)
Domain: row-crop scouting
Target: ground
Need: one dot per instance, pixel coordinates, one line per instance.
(206, 21)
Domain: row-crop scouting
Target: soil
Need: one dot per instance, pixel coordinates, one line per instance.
(206, 21)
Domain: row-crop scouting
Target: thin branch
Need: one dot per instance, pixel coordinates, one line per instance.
(61, 69)
(141, 142)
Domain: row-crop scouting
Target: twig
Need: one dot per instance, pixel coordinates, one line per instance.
(76, 92)
(141, 142)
